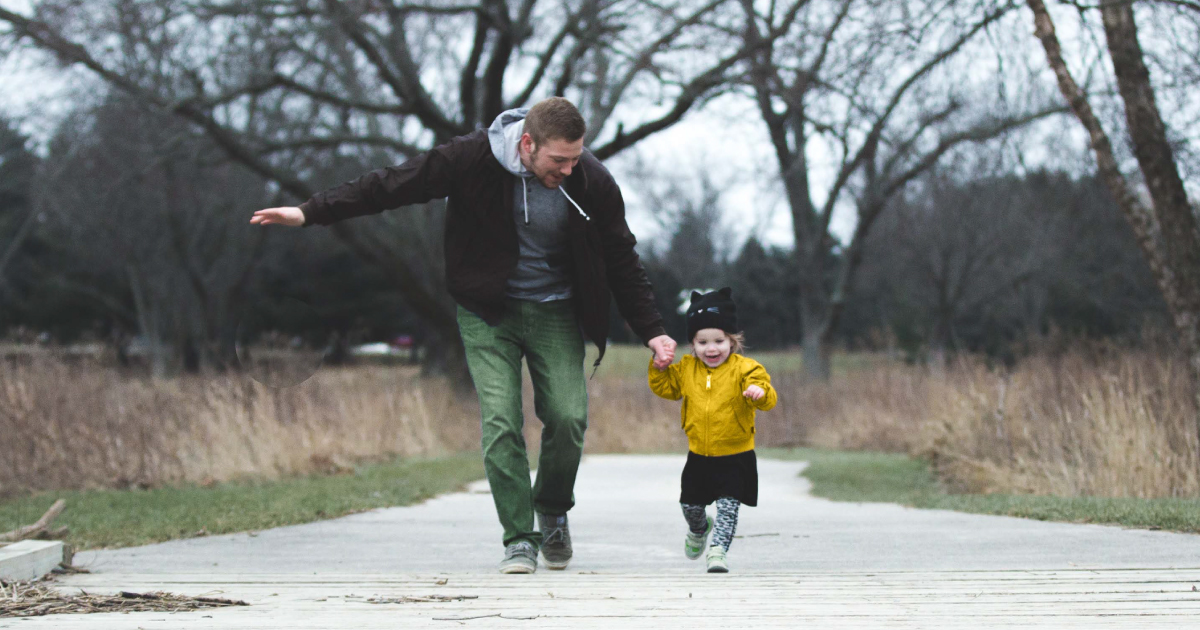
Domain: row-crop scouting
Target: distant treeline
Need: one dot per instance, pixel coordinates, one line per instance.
(985, 265)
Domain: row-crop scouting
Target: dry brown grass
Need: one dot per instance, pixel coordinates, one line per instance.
(1116, 424)
(79, 426)
(1090, 421)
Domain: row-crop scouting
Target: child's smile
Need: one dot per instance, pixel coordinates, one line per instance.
(712, 346)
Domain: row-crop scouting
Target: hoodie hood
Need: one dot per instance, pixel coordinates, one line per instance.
(504, 136)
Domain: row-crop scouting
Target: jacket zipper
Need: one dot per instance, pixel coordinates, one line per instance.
(707, 414)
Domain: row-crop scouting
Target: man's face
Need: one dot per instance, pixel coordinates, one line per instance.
(552, 161)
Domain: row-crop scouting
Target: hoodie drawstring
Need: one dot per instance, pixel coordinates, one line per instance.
(525, 194)
(525, 197)
(564, 192)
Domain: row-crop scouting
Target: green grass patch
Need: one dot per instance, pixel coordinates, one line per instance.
(122, 518)
(892, 478)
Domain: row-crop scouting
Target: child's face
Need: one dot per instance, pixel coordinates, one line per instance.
(711, 345)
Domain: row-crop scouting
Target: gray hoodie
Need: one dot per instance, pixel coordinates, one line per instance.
(541, 216)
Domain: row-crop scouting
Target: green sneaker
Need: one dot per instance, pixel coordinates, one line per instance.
(694, 544)
(519, 557)
(716, 560)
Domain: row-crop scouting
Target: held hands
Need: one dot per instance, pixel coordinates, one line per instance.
(754, 392)
(664, 351)
(290, 216)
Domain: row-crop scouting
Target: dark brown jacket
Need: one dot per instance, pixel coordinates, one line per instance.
(481, 233)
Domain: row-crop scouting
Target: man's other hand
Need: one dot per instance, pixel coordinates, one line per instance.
(664, 350)
(283, 216)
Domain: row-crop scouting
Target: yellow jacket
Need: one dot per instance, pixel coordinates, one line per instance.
(717, 418)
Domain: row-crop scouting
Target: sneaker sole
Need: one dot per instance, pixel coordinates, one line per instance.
(556, 565)
(517, 569)
(718, 569)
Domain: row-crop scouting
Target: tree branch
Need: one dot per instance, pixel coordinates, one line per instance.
(873, 136)
(979, 133)
(337, 101)
(1141, 219)
(698, 88)
(21, 533)
(335, 141)
(468, 99)
(544, 61)
(644, 59)
(407, 85)
(502, 49)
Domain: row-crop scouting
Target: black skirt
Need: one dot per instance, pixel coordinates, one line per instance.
(706, 479)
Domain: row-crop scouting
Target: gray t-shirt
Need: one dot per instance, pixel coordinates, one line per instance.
(541, 274)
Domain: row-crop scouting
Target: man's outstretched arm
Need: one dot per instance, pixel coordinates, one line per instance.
(430, 175)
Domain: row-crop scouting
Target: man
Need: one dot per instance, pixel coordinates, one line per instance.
(536, 248)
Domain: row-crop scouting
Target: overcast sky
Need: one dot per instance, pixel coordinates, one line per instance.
(726, 140)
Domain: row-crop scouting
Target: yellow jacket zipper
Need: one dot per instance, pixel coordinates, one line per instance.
(707, 423)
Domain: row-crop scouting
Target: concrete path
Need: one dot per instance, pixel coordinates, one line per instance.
(797, 558)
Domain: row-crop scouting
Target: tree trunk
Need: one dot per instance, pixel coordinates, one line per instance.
(814, 324)
(1166, 232)
(816, 355)
(1178, 231)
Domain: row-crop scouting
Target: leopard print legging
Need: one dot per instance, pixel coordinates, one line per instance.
(724, 525)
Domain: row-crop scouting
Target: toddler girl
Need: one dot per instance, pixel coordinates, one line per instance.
(720, 389)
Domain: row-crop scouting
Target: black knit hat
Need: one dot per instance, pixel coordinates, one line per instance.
(712, 310)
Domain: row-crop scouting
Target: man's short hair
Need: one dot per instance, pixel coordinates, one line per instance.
(554, 118)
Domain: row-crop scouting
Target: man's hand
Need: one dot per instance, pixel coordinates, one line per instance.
(283, 216)
(664, 351)
(754, 392)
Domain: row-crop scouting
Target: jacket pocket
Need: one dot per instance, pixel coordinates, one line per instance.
(728, 424)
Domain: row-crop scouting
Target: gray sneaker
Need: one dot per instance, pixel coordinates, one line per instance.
(556, 541)
(519, 557)
(716, 561)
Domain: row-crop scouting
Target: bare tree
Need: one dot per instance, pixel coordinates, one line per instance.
(288, 88)
(971, 244)
(873, 83)
(1166, 226)
(140, 199)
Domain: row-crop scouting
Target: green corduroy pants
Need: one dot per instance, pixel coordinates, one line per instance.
(548, 337)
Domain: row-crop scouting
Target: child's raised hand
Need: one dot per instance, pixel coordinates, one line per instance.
(754, 392)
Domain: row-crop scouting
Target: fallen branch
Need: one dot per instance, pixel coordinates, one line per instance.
(420, 600)
(38, 597)
(58, 533)
(29, 531)
(169, 597)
